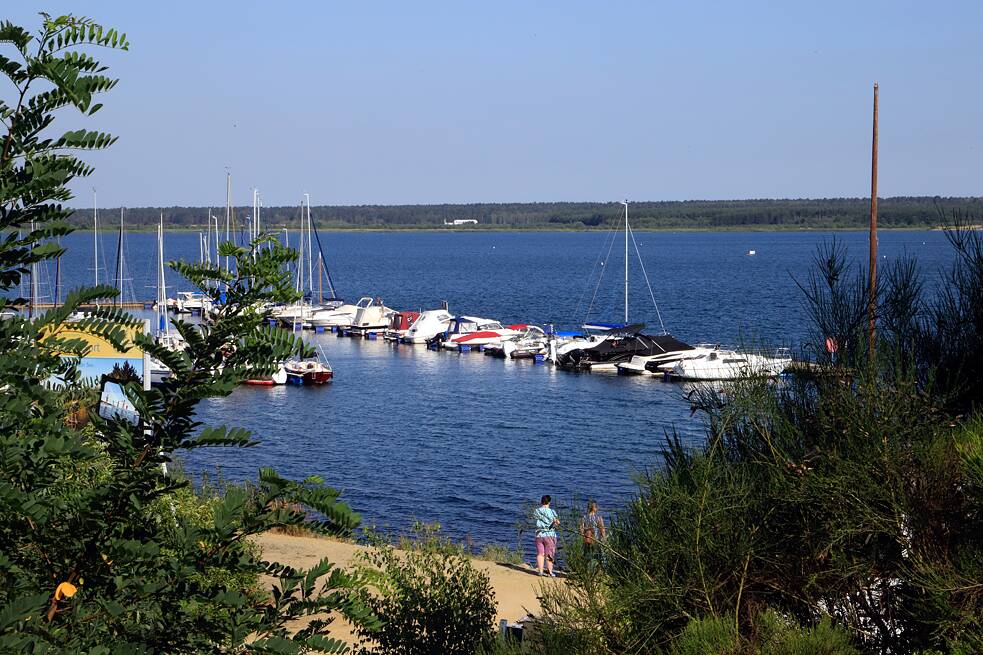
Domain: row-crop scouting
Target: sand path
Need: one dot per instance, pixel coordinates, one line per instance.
(517, 590)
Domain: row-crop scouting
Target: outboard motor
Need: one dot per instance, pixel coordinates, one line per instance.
(434, 342)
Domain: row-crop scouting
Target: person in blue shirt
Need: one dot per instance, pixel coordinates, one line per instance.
(546, 523)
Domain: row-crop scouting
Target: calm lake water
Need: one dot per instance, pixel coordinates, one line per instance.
(467, 440)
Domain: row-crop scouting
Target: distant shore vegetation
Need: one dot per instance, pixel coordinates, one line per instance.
(906, 212)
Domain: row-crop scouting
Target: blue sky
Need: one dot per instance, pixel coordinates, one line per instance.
(429, 102)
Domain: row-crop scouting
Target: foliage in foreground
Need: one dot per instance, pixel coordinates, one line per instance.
(849, 502)
(100, 550)
(429, 597)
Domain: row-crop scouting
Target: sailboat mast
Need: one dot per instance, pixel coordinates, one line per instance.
(162, 324)
(95, 236)
(228, 213)
(310, 252)
(58, 278)
(34, 285)
(253, 227)
(300, 250)
(626, 261)
(119, 261)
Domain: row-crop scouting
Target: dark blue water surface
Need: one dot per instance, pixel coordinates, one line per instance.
(467, 440)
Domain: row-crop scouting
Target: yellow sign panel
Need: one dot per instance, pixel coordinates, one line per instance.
(99, 347)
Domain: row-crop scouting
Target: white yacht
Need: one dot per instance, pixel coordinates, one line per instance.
(660, 363)
(731, 365)
(429, 324)
(531, 341)
(371, 316)
(189, 302)
(472, 331)
(302, 313)
(339, 317)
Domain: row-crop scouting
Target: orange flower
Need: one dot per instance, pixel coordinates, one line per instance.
(65, 590)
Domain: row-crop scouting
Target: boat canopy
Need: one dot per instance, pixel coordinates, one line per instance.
(616, 329)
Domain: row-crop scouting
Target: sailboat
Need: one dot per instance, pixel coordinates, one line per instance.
(311, 371)
(303, 312)
(608, 345)
(162, 328)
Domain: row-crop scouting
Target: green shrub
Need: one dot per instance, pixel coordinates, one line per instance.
(429, 601)
(849, 493)
(779, 638)
(709, 636)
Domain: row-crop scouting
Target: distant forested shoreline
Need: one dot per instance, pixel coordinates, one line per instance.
(825, 213)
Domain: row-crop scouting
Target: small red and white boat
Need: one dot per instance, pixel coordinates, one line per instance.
(308, 371)
(399, 324)
(313, 370)
(472, 331)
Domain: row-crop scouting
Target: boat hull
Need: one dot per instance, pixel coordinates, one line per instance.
(310, 379)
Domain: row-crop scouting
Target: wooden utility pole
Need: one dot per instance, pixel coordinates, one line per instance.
(872, 308)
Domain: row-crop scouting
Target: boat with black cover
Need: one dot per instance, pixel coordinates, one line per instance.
(620, 346)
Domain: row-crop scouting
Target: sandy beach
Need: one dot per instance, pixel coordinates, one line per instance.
(516, 590)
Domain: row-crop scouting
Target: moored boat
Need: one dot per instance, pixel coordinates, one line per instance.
(277, 377)
(471, 331)
(399, 324)
(428, 325)
(338, 317)
(659, 363)
(732, 365)
(604, 353)
(531, 341)
(371, 316)
(189, 302)
(308, 371)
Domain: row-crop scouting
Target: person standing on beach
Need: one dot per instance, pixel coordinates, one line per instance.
(592, 530)
(546, 523)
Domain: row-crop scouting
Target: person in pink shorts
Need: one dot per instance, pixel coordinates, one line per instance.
(546, 523)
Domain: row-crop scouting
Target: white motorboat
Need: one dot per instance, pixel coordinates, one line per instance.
(399, 324)
(302, 313)
(471, 331)
(660, 363)
(531, 341)
(371, 316)
(731, 365)
(339, 317)
(619, 344)
(189, 302)
(429, 324)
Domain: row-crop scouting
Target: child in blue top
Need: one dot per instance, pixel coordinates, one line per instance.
(546, 522)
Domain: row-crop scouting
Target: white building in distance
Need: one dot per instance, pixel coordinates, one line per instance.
(462, 221)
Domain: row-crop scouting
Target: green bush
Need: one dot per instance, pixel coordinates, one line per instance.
(709, 636)
(779, 638)
(850, 495)
(429, 600)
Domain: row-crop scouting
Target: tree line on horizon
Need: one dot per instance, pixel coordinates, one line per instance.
(821, 213)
